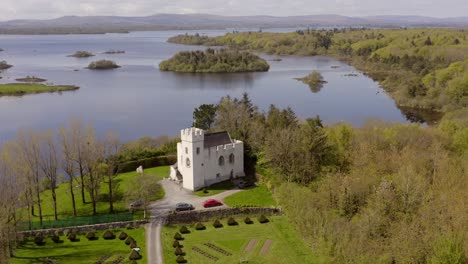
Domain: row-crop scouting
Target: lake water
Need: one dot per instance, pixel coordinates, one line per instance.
(137, 99)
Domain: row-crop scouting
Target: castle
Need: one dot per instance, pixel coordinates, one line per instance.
(207, 158)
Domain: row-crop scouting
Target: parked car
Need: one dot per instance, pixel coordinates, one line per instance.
(184, 207)
(136, 204)
(211, 203)
(244, 184)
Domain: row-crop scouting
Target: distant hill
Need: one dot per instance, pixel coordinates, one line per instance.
(108, 24)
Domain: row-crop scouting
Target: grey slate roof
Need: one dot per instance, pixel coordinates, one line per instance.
(216, 139)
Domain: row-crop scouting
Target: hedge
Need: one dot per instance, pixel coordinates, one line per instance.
(147, 163)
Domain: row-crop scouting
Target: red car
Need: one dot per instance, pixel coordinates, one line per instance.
(211, 203)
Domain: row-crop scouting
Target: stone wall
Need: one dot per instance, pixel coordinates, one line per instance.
(207, 215)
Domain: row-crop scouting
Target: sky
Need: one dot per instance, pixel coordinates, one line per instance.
(47, 9)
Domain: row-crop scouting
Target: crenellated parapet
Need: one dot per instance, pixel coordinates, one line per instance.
(192, 134)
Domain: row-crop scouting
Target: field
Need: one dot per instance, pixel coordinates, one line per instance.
(83, 251)
(84, 211)
(259, 196)
(273, 242)
(25, 88)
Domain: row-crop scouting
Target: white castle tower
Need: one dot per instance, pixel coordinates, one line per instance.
(207, 158)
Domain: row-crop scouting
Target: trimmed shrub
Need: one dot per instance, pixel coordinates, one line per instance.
(133, 244)
(232, 222)
(179, 252)
(184, 230)
(129, 226)
(248, 221)
(123, 236)
(129, 240)
(200, 226)
(108, 235)
(262, 219)
(217, 224)
(56, 239)
(73, 237)
(39, 240)
(178, 236)
(134, 255)
(180, 259)
(91, 236)
(133, 261)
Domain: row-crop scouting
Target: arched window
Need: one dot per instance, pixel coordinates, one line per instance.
(186, 150)
(187, 162)
(221, 161)
(231, 158)
(198, 151)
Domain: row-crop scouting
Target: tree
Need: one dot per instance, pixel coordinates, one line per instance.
(49, 164)
(204, 116)
(112, 147)
(142, 187)
(95, 168)
(68, 160)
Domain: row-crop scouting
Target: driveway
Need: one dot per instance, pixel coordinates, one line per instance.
(174, 194)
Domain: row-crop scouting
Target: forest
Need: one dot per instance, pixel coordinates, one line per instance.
(420, 68)
(380, 193)
(214, 61)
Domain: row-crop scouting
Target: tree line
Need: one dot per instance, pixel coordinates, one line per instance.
(380, 193)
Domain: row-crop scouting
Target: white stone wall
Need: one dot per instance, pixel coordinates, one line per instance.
(204, 168)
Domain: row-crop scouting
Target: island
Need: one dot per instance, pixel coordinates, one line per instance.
(214, 61)
(102, 65)
(31, 79)
(314, 80)
(4, 65)
(81, 54)
(19, 89)
(111, 51)
(1, 49)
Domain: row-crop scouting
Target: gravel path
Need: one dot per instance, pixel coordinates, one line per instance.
(266, 247)
(153, 243)
(251, 245)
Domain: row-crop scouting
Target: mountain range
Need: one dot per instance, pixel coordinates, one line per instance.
(108, 24)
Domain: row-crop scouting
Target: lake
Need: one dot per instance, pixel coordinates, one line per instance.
(137, 99)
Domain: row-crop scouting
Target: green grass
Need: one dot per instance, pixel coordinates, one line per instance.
(287, 246)
(216, 188)
(258, 196)
(84, 211)
(25, 88)
(83, 251)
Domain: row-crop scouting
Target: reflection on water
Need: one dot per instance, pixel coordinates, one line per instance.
(137, 99)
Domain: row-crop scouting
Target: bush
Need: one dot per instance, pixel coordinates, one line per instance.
(179, 252)
(200, 226)
(108, 235)
(217, 224)
(129, 240)
(56, 239)
(178, 236)
(134, 255)
(39, 240)
(73, 237)
(133, 244)
(248, 221)
(123, 236)
(133, 261)
(91, 236)
(184, 230)
(262, 219)
(232, 222)
(129, 226)
(176, 244)
(180, 259)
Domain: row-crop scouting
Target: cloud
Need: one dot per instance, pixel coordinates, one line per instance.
(17, 9)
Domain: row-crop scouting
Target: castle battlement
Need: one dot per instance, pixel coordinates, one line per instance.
(192, 134)
(225, 147)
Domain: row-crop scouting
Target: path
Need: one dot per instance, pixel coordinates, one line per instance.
(174, 194)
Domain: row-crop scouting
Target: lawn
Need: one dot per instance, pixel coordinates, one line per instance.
(26, 88)
(83, 251)
(84, 211)
(216, 188)
(286, 245)
(258, 196)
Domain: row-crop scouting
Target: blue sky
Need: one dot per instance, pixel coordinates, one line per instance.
(45, 9)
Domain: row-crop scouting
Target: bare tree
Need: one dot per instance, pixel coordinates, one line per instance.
(68, 163)
(93, 157)
(77, 132)
(142, 187)
(49, 165)
(112, 147)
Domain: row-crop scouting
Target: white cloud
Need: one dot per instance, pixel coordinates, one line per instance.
(16, 9)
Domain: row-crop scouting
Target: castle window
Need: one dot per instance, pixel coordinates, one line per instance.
(186, 150)
(231, 158)
(221, 161)
(218, 175)
(198, 151)
(187, 163)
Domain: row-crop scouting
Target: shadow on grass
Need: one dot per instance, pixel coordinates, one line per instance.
(216, 188)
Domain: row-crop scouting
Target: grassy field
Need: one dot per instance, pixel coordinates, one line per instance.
(83, 251)
(216, 188)
(25, 88)
(286, 244)
(84, 211)
(258, 196)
